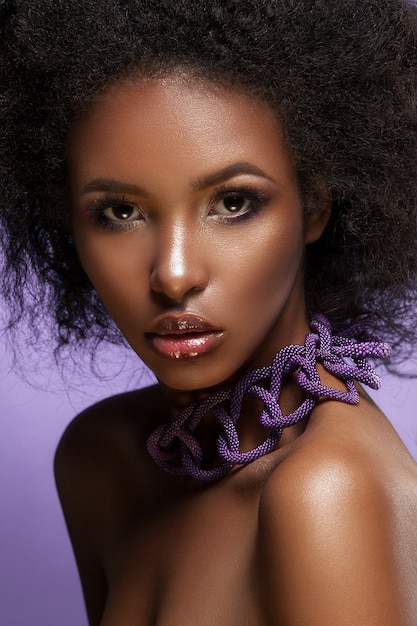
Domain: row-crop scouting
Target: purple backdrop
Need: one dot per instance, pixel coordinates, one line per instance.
(38, 579)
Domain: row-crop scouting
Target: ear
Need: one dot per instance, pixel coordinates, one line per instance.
(318, 210)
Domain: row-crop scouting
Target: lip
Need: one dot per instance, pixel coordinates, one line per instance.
(180, 325)
(183, 337)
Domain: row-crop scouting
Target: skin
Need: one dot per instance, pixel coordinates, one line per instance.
(182, 255)
(320, 531)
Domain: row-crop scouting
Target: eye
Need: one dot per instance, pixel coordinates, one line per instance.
(237, 204)
(121, 212)
(232, 203)
(115, 213)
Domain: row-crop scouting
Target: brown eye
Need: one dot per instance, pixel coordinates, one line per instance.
(115, 214)
(234, 206)
(231, 204)
(122, 212)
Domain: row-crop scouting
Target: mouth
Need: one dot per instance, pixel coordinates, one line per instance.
(184, 337)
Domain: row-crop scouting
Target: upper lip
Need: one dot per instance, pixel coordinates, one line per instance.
(180, 325)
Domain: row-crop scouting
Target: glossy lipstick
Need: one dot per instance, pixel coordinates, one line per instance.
(183, 337)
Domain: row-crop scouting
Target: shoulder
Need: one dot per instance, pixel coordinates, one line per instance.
(116, 412)
(101, 459)
(317, 480)
(102, 474)
(329, 532)
(120, 420)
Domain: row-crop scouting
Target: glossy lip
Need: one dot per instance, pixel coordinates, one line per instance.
(180, 325)
(183, 337)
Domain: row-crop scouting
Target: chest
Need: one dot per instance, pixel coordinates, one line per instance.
(193, 563)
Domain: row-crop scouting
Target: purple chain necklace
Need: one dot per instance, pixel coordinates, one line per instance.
(174, 447)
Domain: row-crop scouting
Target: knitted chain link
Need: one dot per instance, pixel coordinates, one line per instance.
(174, 447)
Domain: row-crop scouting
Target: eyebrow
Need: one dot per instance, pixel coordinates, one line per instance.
(228, 172)
(110, 185)
(115, 186)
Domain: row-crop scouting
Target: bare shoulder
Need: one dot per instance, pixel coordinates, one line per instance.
(337, 524)
(115, 411)
(103, 450)
(103, 474)
(123, 420)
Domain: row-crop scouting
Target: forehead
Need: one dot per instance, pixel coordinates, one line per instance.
(148, 123)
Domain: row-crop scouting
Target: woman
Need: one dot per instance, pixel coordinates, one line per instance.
(221, 179)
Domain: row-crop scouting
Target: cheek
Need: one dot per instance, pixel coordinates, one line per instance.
(269, 267)
(116, 271)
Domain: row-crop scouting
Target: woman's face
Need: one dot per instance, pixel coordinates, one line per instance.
(188, 221)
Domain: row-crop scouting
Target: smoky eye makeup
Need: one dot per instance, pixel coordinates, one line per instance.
(237, 203)
(230, 204)
(115, 213)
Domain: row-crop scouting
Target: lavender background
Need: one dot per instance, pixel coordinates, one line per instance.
(38, 578)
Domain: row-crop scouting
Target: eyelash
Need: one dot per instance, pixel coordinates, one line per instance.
(97, 209)
(257, 200)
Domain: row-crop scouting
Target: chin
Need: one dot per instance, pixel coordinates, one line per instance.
(187, 383)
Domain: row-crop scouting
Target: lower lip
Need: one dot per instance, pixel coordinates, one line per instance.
(187, 346)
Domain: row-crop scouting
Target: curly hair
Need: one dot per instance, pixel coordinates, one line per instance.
(341, 77)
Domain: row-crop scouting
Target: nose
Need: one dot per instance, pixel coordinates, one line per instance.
(178, 266)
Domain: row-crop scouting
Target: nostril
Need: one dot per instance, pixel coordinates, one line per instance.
(176, 285)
